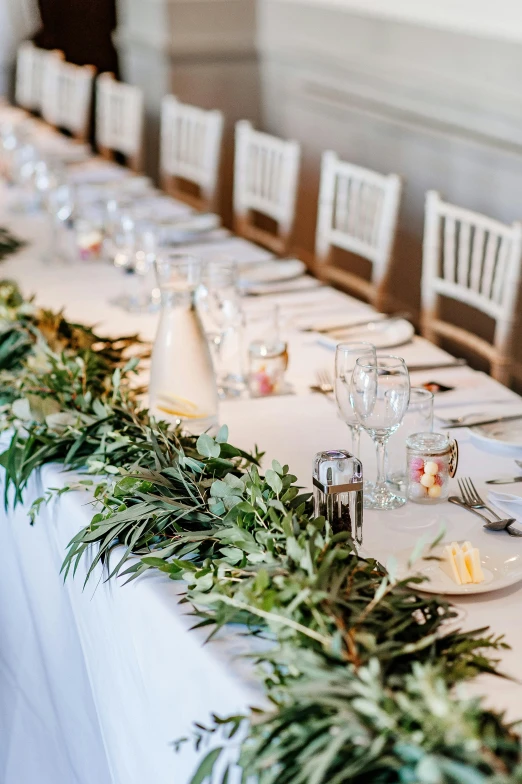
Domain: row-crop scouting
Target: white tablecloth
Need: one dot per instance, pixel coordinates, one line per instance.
(95, 684)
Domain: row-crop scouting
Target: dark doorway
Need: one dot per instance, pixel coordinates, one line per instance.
(82, 29)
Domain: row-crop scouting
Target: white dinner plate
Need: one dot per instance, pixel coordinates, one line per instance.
(501, 563)
(383, 334)
(273, 272)
(500, 435)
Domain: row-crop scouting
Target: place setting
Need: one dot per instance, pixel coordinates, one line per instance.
(459, 568)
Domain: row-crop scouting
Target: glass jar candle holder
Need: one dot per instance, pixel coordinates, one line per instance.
(88, 239)
(267, 363)
(430, 460)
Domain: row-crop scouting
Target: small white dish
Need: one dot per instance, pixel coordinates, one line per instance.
(502, 437)
(273, 272)
(501, 564)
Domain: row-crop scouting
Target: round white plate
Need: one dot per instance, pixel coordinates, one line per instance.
(501, 564)
(383, 334)
(507, 435)
(273, 271)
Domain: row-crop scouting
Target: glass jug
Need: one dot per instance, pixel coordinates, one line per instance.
(182, 379)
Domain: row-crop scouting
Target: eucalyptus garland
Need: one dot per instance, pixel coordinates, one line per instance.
(363, 674)
(8, 243)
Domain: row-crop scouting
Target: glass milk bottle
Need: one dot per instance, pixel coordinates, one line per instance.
(182, 380)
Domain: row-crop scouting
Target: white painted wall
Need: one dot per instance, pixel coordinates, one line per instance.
(485, 18)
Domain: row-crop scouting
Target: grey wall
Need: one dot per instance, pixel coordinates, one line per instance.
(442, 109)
(202, 51)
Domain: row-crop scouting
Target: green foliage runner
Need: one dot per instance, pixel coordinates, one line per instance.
(363, 675)
(8, 243)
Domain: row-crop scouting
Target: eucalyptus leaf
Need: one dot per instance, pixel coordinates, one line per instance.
(207, 447)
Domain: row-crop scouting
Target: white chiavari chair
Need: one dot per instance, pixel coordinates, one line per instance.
(266, 171)
(475, 260)
(358, 212)
(190, 151)
(119, 120)
(66, 96)
(31, 64)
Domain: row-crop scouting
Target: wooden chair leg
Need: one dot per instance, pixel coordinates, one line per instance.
(428, 332)
(501, 371)
(380, 298)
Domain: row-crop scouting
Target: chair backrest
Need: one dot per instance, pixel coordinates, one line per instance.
(119, 119)
(475, 260)
(191, 150)
(66, 96)
(358, 212)
(266, 172)
(31, 64)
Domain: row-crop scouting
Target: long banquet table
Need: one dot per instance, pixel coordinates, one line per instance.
(96, 684)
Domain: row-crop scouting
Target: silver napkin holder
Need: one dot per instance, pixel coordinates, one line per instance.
(338, 491)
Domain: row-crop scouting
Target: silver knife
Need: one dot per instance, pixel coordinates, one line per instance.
(356, 324)
(504, 480)
(437, 365)
(494, 421)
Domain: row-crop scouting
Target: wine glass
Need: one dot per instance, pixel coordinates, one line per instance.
(219, 304)
(380, 393)
(60, 208)
(346, 356)
(417, 419)
(123, 241)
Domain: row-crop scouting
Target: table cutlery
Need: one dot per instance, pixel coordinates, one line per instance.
(504, 480)
(493, 421)
(345, 326)
(491, 525)
(458, 420)
(503, 525)
(324, 383)
(437, 365)
(283, 290)
(472, 498)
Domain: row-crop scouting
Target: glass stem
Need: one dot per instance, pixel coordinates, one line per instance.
(53, 242)
(380, 445)
(356, 440)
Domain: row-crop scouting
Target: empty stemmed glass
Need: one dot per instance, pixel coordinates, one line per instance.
(60, 208)
(346, 356)
(380, 393)
(142, 294)
(219, 303)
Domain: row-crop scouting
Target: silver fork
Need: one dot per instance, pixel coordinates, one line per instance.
(324, 382)
(472, 498)
(458, 420)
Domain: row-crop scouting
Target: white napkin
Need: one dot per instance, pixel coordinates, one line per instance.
(508, 503)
